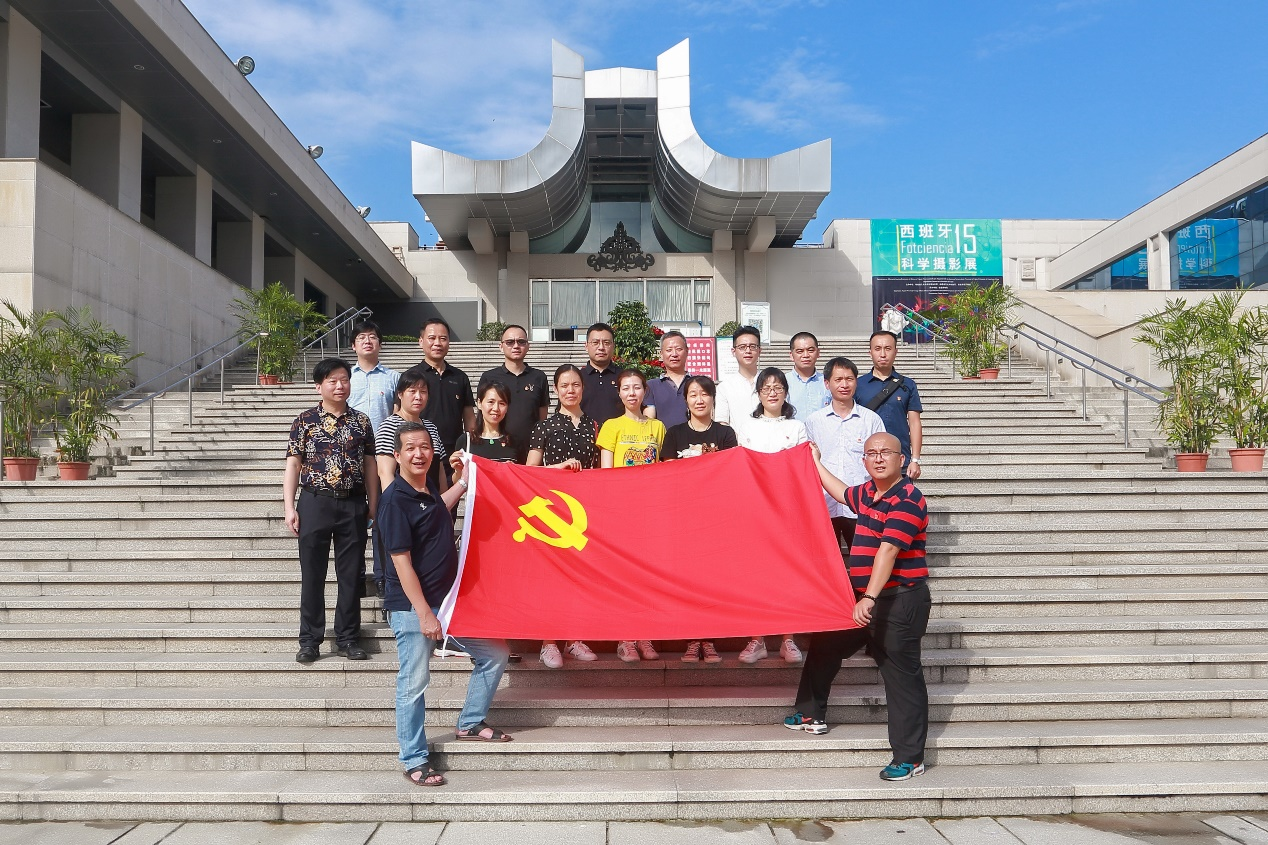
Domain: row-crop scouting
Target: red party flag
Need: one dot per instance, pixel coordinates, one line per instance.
(729, 544)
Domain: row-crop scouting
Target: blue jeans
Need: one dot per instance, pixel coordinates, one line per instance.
(414, 652)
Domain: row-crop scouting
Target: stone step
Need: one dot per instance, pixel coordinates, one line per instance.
(1208, 629)
(630, 748)
(564, 707)
(230, 670)
(341, 796)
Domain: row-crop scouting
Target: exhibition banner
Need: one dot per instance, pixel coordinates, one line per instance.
(955, 248)
(661, 552)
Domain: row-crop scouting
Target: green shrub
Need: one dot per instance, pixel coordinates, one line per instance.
(635, 339)
(492, 330)
(727, 329)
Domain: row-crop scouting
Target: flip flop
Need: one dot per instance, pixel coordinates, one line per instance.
(472, 734)
(427, 776)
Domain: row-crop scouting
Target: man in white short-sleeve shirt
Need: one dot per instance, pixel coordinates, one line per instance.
(737, 395)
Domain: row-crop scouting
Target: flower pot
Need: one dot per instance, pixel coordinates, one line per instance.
(989, 373)
(1192, 461)
(73, 470)
(1247, 460)
(267, 380)
(977, 377)
(21, 469)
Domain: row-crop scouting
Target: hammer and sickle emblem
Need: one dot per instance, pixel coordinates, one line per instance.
(569, 534)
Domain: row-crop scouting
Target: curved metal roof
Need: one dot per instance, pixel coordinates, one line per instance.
(701, 189)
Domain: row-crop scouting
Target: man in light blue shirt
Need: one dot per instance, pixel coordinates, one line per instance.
(807, 390)
(840, 430)
(373, 385)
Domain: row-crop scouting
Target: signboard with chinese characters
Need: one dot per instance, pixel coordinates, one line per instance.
(701, 357)
(1207, 248)
(959, 248)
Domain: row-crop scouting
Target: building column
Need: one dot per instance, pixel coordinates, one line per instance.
(182, 212)
(106, 157)
(240, 251)
(1159, 256)
(20, 46)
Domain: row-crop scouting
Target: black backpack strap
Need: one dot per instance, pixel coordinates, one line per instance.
(891, 387)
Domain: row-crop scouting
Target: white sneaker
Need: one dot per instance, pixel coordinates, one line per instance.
(551, 657)
(790, 652)
(646, 650)
(627, 651)
(754, 651)
(580, 651)
(450, 652)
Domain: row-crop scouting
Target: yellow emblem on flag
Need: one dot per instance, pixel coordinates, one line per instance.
(569, 534)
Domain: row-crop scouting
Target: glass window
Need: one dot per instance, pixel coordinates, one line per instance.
(1131, 272)
(1223, 249)
(610, 293)
(572, 304)
(671, 301)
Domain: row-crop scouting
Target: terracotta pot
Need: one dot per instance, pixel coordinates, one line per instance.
(1247, 460)
(267, 380)
(73, 470)
(21, 469)
(989, 373)
(977, 377)
(1192, 461)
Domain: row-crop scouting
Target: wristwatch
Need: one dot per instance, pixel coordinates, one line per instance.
(914, 461)
(463, 482)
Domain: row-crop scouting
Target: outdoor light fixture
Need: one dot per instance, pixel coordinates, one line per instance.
(315, 151)
(245, 65)
(364, 211)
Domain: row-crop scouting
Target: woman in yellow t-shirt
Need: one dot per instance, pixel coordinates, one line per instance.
(630, 440)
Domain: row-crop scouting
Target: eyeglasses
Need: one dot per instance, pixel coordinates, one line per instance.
(599, 343)
(771, 390)
(747, 347)
(875, 455)
(516, 341)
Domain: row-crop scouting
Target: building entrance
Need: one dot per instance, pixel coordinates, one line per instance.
(562, 307)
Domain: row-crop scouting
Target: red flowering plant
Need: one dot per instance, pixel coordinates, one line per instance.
(973, 319)
(636, 339)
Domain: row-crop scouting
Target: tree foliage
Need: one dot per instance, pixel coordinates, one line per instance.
(635, 338)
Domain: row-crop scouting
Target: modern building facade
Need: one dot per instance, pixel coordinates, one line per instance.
(142, 175)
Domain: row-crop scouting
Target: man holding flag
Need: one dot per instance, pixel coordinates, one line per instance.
(416, 529)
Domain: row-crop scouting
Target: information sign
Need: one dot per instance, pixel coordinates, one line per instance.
(701, 357)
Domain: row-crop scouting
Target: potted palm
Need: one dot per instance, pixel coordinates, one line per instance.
(274, 322)
(90, 365)
(1188, 417)
(26, 360)
(973, 319)
(1238, 339)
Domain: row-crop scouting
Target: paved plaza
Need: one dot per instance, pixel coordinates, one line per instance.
(1108, 829)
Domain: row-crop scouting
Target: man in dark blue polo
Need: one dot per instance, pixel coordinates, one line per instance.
(599, 398)
(450, 404)
(895, 399)
(528, 387)
(415, 528)
(665, 400)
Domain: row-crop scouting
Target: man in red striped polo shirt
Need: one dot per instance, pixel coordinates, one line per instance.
(890, 579)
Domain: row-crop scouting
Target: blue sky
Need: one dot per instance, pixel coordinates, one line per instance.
(1008, 108)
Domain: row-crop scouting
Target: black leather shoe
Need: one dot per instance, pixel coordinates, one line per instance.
(353, 652)
(307, 654)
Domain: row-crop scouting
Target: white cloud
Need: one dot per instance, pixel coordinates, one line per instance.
(1053, 23)
(801, 96)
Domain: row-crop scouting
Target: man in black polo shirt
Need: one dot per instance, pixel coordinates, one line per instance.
(599, 397)
(415, 528)
(331, 456)
(890, 579)
(529, 389)
(450, 404)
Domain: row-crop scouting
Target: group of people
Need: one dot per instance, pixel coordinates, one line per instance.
(392, 446)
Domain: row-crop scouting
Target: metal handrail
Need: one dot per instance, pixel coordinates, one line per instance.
(340, 320)
(181, 367)
(1050, 344)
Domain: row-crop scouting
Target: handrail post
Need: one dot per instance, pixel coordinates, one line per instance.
(1010, 358)
(1083, 389)
(222, 381)
(257, 361)
(153, 401)
(1047, 372)
(189, 392)
(1127, 437)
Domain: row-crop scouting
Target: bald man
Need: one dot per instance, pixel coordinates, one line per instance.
(890, 580)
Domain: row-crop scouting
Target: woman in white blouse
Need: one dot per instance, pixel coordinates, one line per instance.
(773, 430)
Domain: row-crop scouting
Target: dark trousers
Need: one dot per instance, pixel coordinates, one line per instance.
(843, 527)
(893, 640)
(321, 520)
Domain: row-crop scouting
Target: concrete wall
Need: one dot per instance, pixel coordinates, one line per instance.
(1042, 240)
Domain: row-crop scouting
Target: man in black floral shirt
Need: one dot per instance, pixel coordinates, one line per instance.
(330, 461)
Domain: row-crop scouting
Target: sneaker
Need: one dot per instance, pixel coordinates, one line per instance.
(790, 652)
(580, 651)
(710, 653)
(645, 649)
(754, 651)
(450, 652)
(801, 722)
(692, 654)
(627, 651)
(550, 656)
(902, 771)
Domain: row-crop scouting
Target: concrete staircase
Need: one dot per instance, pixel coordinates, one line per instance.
(1097, 645)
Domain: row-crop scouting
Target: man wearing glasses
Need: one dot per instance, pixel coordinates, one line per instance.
(890, 579)
(737, 395)
(529, 389)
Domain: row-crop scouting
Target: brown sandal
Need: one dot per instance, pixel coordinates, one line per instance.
(426, 776)
(473, 734)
